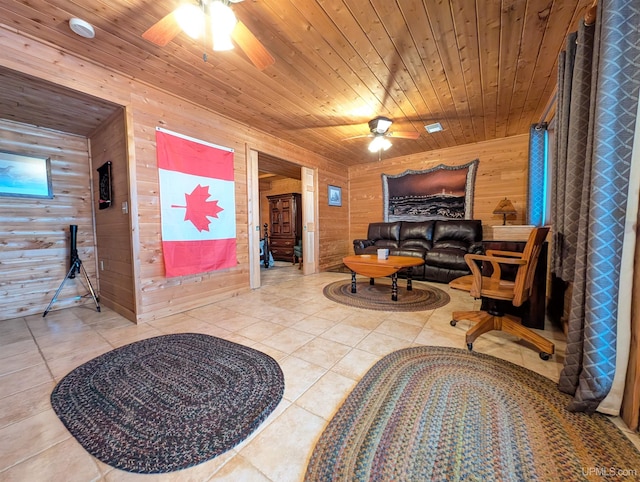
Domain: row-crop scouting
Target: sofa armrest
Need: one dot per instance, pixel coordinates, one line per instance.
(360, 244)
(476, 248)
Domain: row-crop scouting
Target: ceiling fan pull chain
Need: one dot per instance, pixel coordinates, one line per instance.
(204, 37)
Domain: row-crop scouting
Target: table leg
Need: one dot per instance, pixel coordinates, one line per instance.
(371, 281)
(394, 287)
(409, 285)
(353, 281)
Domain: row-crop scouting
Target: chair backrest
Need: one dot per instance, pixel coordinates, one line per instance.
(526, 273)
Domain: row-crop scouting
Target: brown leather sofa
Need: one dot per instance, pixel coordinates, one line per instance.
(442, 244)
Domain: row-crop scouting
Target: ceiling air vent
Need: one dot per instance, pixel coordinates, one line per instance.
(431, 128)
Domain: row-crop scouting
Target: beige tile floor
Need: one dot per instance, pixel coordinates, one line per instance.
(323, 348)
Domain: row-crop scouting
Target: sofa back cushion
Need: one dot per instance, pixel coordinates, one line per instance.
(460, 233)
(416, 235)
(386, 243)
(384, 231)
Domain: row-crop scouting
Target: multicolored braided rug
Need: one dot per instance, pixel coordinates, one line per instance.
(435, 413)
(378, 296)
(169, 402)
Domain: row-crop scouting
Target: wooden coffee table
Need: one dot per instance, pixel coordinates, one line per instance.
(369, 265)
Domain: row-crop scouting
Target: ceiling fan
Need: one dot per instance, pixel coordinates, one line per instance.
(379, 130)
(191, 17)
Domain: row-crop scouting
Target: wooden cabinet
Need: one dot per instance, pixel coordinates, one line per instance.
(532, 311)
(285, 216)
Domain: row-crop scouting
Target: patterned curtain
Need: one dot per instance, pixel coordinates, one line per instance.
(598, 84)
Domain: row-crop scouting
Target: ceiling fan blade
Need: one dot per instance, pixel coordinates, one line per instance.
(357, 137)
(163, 31)
(251, 46)
(404, 134)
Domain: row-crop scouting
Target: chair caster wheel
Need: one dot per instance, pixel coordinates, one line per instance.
(453, 322)
(545, 356)
(470, 346)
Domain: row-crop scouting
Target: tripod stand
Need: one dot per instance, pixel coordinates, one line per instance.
(76, 267)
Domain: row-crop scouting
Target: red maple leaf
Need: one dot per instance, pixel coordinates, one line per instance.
(199, 209)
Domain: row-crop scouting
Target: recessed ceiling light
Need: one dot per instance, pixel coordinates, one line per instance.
(431, 128)
(82, 28)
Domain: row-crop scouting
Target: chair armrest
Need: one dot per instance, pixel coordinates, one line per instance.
(494, 259)
(360, 244)
(498, 252)
(474, 263)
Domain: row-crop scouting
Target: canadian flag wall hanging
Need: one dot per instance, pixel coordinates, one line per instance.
(197, 199)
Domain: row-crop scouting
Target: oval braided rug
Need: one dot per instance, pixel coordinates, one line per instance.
(378, 296)
(435, 413)
(168, 402)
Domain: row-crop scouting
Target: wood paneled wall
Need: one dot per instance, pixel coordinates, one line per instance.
(335, 242)
(502, 163)
(155, 295)
(159, 296)
(34, 233)
(502, 171)
(113, 227)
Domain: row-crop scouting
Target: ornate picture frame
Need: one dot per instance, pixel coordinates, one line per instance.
(442, 192)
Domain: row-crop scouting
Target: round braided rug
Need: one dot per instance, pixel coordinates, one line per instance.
(436, 413)
(169, 402)
(378, 296)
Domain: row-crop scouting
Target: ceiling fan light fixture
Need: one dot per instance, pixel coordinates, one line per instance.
(379, 143)
(380, 125)
(191, 20)
(223, 21)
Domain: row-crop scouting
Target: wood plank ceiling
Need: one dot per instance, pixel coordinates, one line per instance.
(484, 69)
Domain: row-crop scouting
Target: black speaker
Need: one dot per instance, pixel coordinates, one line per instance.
(73, 249)
(75, 266)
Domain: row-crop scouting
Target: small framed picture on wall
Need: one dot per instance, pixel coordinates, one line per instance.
(25, 176)
(335, 196)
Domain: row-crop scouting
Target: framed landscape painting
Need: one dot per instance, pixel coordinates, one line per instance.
(442, 192)
(25, 176)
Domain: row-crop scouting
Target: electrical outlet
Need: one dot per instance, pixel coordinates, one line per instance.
(101, 265)
(125, 207)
